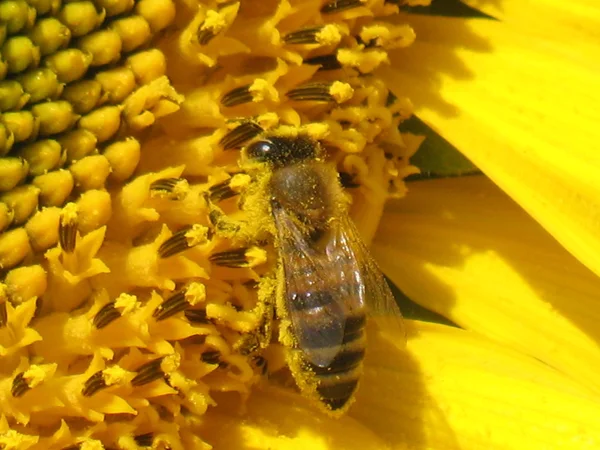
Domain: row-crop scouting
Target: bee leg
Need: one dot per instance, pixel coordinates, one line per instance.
(223, 225)
(260, 338)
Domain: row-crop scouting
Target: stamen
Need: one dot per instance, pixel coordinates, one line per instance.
(94, 384)
(148, 372)
(19, 385)
(171, 188)
(240, 135)
(192, 295)
(196, 316)
(205, 35)
(241, 257)
(144, 440)
(322, 92)
(3, 311)
(347, 180)
(237, 96)
(261, 364)
(106, 315)
(184, 239)
(221, 191)
(318, 92)
(340, 5)
(211, 357)
(304, 36)
(327, 62)
(67, 228)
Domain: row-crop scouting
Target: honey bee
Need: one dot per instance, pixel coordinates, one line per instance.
(328, 280)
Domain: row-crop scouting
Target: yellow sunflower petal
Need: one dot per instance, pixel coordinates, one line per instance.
(450, 389)
(557, 19)
(523, 108)
(453, 389)
(462, 248)
(278, 419)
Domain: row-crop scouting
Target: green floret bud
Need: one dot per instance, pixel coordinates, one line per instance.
(54, 117)
(12, 172)
(84, 95)
(69, 64)
(42, 156)
(78, 143)
(50, 35)
(102, 122)
(17, 15)
(158, 13)
(41, 84)
(45, 6)
(115, 7)
(55, 187)
(123, 157)
(105, 46)
(14, 247)
(81, 17)
(22, 124)
(7, 139)
(20, 54)
(147, 66)
(23, 200)
(12, 96)
(117, 83)
(90, 172)
(134, 31)
(6, 216)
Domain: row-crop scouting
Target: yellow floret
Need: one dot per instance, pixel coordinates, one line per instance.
(140, 267)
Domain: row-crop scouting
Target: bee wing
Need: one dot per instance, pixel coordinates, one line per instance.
(378, 297)
(314, 293)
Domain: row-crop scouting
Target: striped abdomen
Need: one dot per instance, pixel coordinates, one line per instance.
(337, 380)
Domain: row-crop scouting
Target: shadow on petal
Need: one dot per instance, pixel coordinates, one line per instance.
(464, 249)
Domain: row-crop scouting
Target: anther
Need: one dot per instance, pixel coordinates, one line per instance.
(149, 372)
(261, 364)
(340, 5)
(3, 310)
(106, 315)
(221, 191)
(241, 257)
(144, 440)
(192, 295)
(94, 384)
(205, 35)
(183, 240)
(237, 96)
(19, 385)
(347, 180)
(327, 62)
(241, 134)
(171, 188)
(304, 36)
(211, 357)
(322, 92)
(67, 228)
(196, 316)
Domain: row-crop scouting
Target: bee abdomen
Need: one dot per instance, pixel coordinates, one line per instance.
(337, 382)
(336, 390)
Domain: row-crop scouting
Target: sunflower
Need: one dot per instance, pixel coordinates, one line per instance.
(133, 279)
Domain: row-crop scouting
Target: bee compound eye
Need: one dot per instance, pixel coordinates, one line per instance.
(262, 151)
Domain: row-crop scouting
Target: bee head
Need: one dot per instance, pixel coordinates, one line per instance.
(283, 151)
